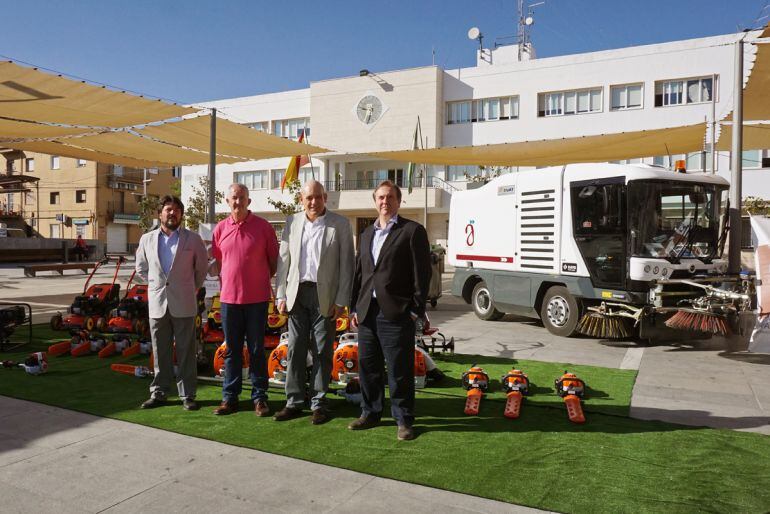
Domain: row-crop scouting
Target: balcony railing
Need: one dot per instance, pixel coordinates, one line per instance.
(370, 184)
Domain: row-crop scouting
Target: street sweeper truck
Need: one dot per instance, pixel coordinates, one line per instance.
(607, 250)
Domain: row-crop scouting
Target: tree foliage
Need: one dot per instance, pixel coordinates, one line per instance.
(197, 205)
(148, 211)
(287, 208)
(754, 205)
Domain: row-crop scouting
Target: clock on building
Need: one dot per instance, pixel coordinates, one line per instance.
(369, 110)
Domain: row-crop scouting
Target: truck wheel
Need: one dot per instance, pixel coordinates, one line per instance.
(481, 299)
(560, 312)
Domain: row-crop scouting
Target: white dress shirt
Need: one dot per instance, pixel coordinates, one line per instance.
(310, 252)
(380, 235)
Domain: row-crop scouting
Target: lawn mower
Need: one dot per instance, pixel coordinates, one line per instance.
(132, 313)
(476, 382)
(13, 315)
(572, 389)
(275, 325)
(95, 302)
(516, 386)
(212, 328)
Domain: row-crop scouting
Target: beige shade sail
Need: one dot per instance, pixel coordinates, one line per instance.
(232, 139)
(54, 148)
(756, 94)
(33, 95)
(142, 148)
(755, 137)
(598, 148)
(13, 129)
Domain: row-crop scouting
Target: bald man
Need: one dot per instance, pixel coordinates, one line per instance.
(315, 275)
(246, 250)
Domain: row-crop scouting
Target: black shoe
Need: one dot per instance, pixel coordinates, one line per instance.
(319, 417)
(190, 404)
(153, 402)
(287, 413)
(405, 433)
(363, 423)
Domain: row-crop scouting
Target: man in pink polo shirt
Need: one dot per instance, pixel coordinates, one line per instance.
(246, 249)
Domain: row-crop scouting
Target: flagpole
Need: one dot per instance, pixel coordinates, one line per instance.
(424, 178)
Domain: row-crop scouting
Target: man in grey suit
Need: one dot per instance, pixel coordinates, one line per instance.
(315, 274)
(173, 262)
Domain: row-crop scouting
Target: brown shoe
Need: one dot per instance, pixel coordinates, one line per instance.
(261, 408)
(363, 423)
(226, 408)
(405, 433)
(319, 417)
(287, 413)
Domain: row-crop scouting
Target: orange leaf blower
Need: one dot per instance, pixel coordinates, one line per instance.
(516, 386)
(572, 389)
(476, 382)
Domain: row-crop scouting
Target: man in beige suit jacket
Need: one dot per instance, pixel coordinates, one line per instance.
(173, 262)
(315, 275)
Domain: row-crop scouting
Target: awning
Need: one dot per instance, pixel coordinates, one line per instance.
(33, 95)
(54, 148)
(232, 139)
(756, 94)
(755, 137)
(13, 129)
(598, 148)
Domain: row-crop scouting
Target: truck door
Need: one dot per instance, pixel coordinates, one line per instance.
(599, 225)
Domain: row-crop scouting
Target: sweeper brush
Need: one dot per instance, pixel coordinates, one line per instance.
(699, 321)
(595, 324)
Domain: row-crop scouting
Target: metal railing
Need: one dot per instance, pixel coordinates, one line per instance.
(370, 184)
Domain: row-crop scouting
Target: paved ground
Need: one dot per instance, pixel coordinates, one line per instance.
(48, 453)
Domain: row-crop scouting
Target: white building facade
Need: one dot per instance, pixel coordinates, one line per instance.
(500, 100)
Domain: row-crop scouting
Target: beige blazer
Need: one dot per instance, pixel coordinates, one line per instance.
(174, 292)
(335, 269)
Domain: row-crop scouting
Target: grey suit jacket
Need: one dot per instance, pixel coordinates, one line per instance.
(335, 269)
(174, 292)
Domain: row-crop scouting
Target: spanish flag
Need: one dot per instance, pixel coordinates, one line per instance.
(292, 170)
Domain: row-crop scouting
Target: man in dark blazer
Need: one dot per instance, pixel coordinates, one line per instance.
(390, 285)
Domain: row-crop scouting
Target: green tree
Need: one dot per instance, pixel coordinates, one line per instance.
(287, 208)
(148, 211)
(197, 205)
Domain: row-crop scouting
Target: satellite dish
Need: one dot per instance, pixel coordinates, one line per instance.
(529, 20)
(474, 33)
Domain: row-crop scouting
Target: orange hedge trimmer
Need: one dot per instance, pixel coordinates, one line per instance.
(516, 385)
(476, 382)
(572, 389)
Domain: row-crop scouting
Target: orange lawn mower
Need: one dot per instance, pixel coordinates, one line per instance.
(95, 302)
(516, 386)
(476, 382)
(572, 389)
(131, 316)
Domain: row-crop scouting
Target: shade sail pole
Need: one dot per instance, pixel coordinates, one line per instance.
(736, 186)
(211, 216)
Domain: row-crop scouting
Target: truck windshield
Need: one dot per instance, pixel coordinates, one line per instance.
(674, 220)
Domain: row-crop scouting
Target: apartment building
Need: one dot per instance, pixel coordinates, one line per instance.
(74, 197)
(501, 99)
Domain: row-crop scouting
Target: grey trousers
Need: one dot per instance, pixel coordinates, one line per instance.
(165, 331)
(309, 330)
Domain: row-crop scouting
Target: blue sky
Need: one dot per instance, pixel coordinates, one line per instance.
(196, 50)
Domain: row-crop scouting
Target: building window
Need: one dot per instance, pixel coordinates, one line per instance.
(117, 170)
(277, 177)
(484, 109)
(261, 126)
(176, 172)
(55, 231)
(54, 198)
(30, 164)
(563, 103)
(54, 162)
(80, 196)
(684, 91)
(292, 129)
(628, 96)
(755, 159)
(80, 163)
(252, 179)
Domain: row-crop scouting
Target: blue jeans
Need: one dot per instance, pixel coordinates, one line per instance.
(247, 321)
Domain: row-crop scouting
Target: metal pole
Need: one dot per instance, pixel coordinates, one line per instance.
(713, 124)
(211, 217)
(734, 254)
(144, 183)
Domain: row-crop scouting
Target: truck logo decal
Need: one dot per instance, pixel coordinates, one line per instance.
(470, 235)
(506, 190)
(569, 267)
(484, 258)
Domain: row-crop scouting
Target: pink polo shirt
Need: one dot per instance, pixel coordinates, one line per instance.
(244, 251)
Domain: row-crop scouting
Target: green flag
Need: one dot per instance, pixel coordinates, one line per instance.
(410, 169)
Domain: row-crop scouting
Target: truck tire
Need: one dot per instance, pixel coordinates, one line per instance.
(481, 299)
(560, 311)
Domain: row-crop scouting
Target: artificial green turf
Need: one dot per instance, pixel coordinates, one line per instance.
(610, 464)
